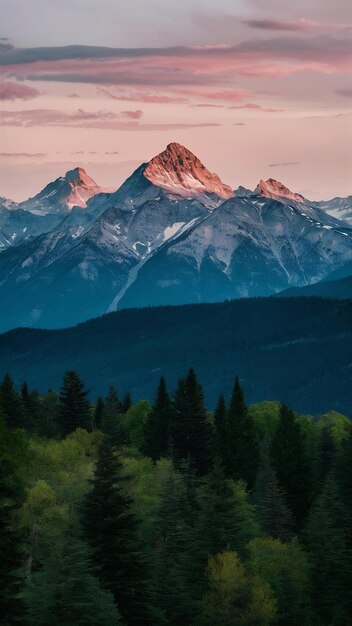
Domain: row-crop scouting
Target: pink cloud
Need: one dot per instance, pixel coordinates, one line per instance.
(133, 115)
(86, 119)
(142, 96)
(301, 25)
(155, 69)
(255, 107)
(12, 90)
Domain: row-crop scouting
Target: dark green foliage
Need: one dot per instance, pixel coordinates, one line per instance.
(111, 530)
(220, 421)
(65, 592)
(12, 449)
(224, 521)
(331, 560)
(157, 428)
(273, 513)
(11, 404)
(98, 413)
(172, 591)
(110, 423)
(327, 454)
(190, 428)
(74, 409)
(126, 403)
(242, 456)
(290, 461)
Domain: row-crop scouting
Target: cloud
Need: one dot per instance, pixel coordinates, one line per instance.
(73, 95)
(172, 68)
(20, 155)
(86, 119)
(346, 92)
(133, 115)
(255, 107)
(239, 124)
(12, 90)
(207, 106)
(142, 96)
(113, 152)
(284, 164)
(301, 25)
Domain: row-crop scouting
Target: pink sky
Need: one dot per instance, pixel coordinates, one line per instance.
(254, 90)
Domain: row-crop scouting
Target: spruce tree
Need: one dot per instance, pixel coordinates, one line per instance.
(242, 458)
(74, 408)
(32, 409)
(220, 420)
(65, 591)
(273, 513)
(157, 428)
(11, 404)
(290, 461)
(190, 428)
(110, 528)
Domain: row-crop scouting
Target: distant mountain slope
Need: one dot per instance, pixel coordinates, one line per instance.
(341, 208)
(341, 289)
(73, 189)
(293, 350)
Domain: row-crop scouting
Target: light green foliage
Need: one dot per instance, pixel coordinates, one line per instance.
(235, 596)
(284, 566)
(146, 482)
(135, 421)
(265, 416)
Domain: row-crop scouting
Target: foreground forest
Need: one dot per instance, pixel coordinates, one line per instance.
(127, 513)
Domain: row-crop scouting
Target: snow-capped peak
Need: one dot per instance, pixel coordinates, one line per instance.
(272, 188)
(83, 187)
(179, 171)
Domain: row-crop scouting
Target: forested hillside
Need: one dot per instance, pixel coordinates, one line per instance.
(129, 513)
(295, 350)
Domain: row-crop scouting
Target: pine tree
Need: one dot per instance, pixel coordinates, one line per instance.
(220, 420)
(74, 409)
(66, 591)
(273, 513)
(290, 461)
(157, 428)
(242, 445)
(111, 530)
(11, 403)
(12, 449)
(190, 428)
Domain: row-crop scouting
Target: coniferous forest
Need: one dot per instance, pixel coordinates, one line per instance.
(124, 513)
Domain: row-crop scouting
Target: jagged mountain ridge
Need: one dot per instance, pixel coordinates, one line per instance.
(172, 233)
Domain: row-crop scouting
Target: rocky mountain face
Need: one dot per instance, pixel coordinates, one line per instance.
(173, 233)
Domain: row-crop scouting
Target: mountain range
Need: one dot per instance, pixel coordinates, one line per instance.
(173, 233)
